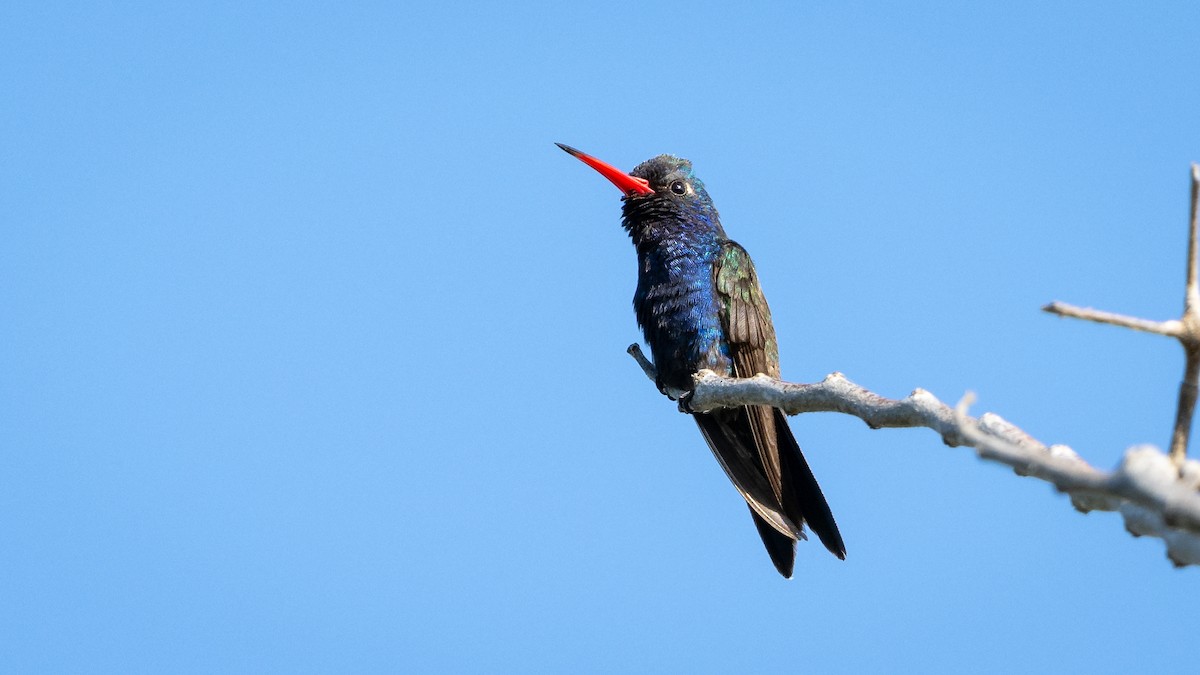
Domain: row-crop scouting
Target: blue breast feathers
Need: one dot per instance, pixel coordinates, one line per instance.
(679, 312)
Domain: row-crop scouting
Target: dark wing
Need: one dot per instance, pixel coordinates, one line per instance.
(752, 346)
(728, 434)
(753, 350)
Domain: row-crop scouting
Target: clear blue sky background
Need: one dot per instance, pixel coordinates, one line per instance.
(313, 343)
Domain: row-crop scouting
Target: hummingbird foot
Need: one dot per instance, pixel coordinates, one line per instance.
(685, 401)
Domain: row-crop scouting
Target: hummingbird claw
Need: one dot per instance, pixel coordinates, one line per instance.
(685, 402)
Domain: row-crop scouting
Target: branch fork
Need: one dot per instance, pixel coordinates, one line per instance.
(1186, 330)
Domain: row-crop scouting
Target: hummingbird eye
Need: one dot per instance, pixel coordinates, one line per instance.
(679, 187)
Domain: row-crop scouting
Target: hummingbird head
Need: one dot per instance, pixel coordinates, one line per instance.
(662, 196)
(675, 186)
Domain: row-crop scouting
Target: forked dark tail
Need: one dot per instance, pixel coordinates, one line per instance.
(802, 495)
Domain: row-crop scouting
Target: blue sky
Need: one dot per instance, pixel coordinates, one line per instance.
(313, 351)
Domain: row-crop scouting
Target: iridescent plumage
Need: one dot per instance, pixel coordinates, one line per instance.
(700, 306)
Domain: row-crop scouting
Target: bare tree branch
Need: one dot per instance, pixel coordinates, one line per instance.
(1185, 329)
(1172, 328)
(1193, 285)
(1155, 498)
(1186, 408)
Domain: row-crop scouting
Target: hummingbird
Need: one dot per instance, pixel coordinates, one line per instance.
(700, 306)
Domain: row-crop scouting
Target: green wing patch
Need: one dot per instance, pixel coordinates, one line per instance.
(745, 313)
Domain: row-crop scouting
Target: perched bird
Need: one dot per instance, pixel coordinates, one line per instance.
(699, 305)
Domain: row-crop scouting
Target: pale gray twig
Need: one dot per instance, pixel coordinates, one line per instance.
(1171, 328)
